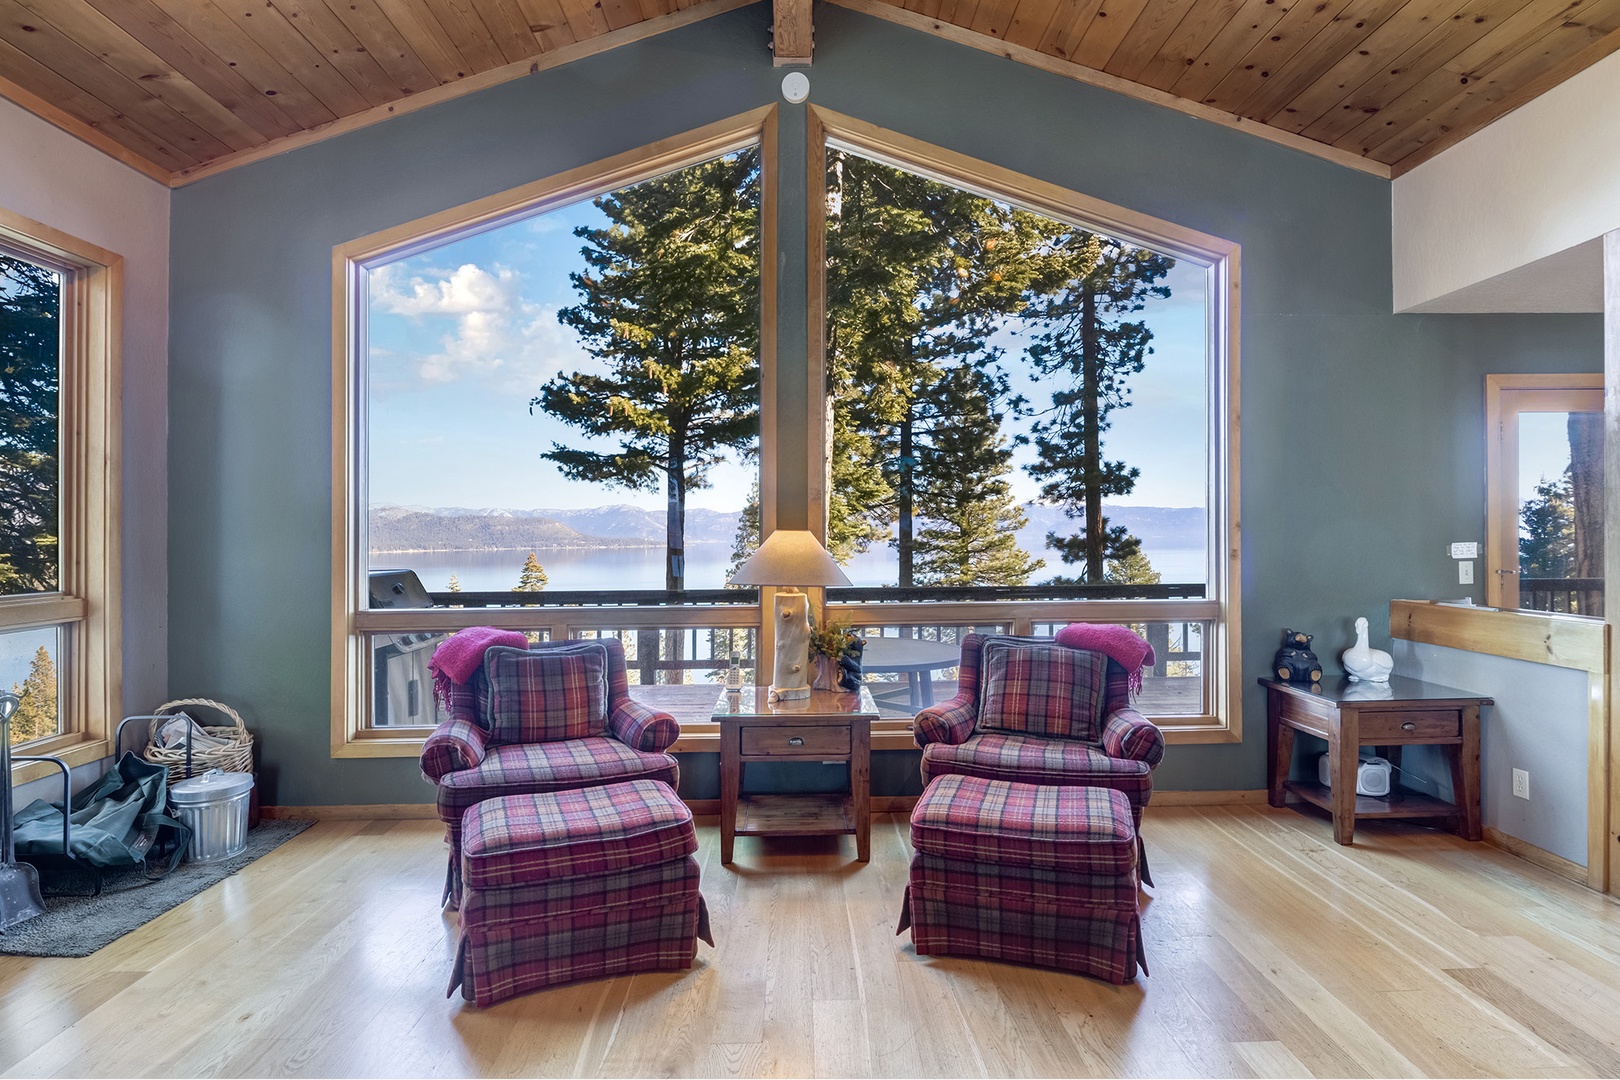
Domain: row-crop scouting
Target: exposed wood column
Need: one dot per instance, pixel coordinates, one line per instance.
(1611, 529)
(794, 37)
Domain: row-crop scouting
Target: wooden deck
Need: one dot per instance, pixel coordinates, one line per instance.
(1274, 952)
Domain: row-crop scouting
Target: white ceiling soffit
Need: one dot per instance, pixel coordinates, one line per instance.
(1569, 281)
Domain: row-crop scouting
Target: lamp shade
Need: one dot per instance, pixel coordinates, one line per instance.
(790, 557)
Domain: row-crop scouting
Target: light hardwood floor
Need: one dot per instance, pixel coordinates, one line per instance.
(1274, 951)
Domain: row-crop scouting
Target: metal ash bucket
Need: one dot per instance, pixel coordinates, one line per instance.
(214, 806)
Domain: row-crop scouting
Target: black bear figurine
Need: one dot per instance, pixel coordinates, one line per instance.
(1295, 662)
(849, 665)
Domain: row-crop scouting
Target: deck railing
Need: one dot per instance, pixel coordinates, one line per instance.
(1572, 596)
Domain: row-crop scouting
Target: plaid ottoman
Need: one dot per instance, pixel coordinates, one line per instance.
(579, 884)
(1030, 874)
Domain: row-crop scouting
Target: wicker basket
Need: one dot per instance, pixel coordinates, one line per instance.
(235, 756)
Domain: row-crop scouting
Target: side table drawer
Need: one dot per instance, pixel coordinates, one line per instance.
(1411, 726)
(796, 742)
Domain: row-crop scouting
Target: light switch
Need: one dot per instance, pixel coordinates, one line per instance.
(1465, 572)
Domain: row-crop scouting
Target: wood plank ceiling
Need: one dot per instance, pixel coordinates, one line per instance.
(182, 88)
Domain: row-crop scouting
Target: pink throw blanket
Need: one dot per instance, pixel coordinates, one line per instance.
(1115, 642)
(462, 653)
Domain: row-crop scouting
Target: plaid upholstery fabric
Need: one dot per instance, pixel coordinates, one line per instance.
(1058, 762)
(469, 701)
(531, 767)
(578, 884)
(546, 695)
(1105, 942)
(585, 832)
(954, 721)
(949, 722)
(1043, 690)
(1080, 830)
(643, 727)
(991, 882)
(453, 746)
(557, 896)
(500, 962)
(1129, 734)
(1031, 875)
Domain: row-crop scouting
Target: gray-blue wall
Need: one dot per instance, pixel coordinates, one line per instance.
(1362, 440)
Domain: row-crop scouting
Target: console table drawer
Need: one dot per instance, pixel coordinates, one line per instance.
(799, 742)
(1413, 726)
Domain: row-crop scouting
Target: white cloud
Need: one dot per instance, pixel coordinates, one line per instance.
(494, 335)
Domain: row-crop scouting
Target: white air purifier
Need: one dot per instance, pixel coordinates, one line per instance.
(1373, 776)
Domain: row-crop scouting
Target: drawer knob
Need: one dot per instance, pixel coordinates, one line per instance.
(796, 741)
(1409, 726)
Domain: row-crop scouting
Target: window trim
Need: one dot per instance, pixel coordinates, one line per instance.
(88, 602)
(351, 621)
(1222, 258)
(1506, 396)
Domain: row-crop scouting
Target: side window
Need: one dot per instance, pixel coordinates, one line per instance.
(1544, 548)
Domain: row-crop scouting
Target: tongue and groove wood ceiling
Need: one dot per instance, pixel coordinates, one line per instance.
(183, 88)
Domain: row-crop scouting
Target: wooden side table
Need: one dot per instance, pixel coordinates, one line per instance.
(829, 725)
(1350, 715)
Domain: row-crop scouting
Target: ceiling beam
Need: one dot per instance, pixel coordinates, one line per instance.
(793, 36)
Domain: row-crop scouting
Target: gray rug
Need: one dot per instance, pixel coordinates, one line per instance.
(79, 925)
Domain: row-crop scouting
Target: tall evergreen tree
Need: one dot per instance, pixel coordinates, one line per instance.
(533, 577)
(746, 542)
(918, 275)
(669, 303)
(36, 715)
(1133, 569)
(969, 515)
(1547, 531)
(1085, 338)
(30, 353)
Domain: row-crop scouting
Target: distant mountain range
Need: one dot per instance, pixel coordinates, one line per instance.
(457, 528)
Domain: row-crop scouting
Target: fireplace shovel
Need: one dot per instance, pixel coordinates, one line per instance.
(19, 882)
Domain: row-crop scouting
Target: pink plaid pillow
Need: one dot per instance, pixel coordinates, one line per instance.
(1048, 691)
(546, 695)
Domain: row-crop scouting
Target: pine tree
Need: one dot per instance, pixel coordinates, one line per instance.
(746, 542)
(969, 516)
(1547, 531)
(919, 274)
(1133, 569)
(35, 717)
(454, 584)
(1084, 337)
(669, 303)
(30, 337)
(533, 578)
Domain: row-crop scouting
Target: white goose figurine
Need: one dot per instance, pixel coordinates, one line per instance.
(1365, 664)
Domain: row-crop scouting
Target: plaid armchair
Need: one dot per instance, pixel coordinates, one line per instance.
(471, 759)
(1029, 738)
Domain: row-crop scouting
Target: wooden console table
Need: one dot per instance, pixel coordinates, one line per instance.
(1350, 715)
(827, 726)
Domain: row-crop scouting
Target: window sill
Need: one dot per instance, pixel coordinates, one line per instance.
(76, 750)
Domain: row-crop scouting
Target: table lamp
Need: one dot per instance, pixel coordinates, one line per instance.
(790, 558)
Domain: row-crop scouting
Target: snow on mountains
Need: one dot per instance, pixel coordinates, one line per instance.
(457, 528)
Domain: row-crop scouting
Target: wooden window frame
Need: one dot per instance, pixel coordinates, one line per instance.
(352, 623)
(1506, 396)
(1221, 719)
(87, 604)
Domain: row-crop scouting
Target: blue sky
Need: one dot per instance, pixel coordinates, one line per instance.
(463, 336)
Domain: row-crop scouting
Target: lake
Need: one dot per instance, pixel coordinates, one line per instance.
(643, 568)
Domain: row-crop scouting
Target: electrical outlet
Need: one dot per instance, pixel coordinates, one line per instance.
(1521, 784)
(1465, 572)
